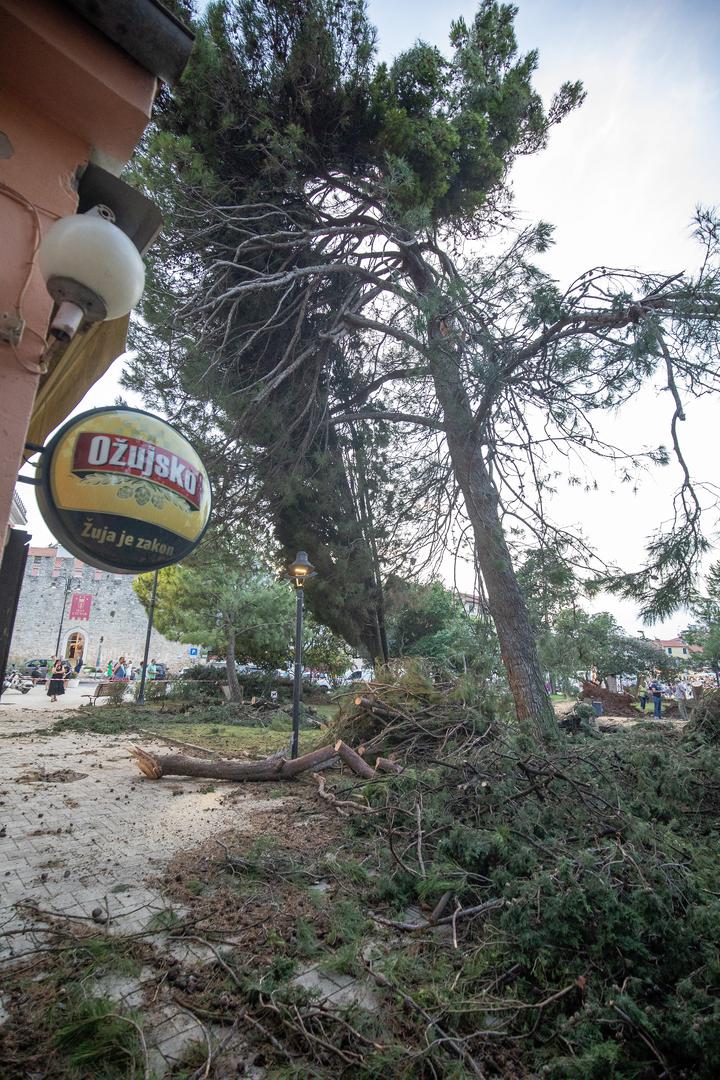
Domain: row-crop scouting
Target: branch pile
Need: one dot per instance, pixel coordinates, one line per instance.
(564, 904)
(414, 717)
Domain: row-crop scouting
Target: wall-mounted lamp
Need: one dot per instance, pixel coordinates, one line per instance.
(92, 270)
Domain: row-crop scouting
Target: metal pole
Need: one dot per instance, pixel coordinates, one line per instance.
(99, 654)
(151, 615)
(68, 582)
(297, 681)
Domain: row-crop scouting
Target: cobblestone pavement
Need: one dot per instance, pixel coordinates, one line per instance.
(93, 837)
(73, 845)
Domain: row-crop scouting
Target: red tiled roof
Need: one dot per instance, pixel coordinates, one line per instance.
(676, 643)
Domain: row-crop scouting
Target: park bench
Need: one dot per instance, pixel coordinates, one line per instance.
(105, 689)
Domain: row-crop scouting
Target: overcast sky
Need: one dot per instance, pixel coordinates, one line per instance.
(619, 182)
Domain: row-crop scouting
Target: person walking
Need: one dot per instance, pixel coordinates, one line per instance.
(130, 671)
(656, 690)
(152, 671)
(109, 672)
(681, 695)
(119, 670)
(56, 683)
(642, 695)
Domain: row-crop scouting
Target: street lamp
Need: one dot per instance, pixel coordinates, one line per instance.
(151, 617)
(300, 571)
(69, 584)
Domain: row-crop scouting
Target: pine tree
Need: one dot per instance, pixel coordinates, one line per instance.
(329, 274)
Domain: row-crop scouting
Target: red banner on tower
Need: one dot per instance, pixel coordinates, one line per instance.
(80, 606)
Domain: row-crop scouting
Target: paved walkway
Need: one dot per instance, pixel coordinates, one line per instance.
(81, 828)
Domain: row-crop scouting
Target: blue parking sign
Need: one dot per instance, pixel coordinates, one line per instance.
(193, 650)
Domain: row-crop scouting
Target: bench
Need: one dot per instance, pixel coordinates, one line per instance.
(106, 689)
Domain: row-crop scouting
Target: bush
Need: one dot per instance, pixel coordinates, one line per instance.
(194, 692)
(205, 673)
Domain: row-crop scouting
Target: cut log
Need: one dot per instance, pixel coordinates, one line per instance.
(354, 761)
(378, 708)
(155, 766)
(309, 761)
(383, 764)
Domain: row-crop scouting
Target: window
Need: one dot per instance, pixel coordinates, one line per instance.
(669, 652)
(684, 652)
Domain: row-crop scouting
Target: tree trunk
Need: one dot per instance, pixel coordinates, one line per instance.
(155, 766)
(233, 684)
(507, 606)
(533, 707)
(506, 603)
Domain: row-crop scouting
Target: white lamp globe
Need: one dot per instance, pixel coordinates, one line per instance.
(88, 249)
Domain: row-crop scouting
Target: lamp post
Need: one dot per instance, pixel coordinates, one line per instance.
(68, 586)
(299, 572)
(151, 615)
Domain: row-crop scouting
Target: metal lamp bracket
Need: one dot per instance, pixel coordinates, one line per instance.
(36, 449)
(65, 290)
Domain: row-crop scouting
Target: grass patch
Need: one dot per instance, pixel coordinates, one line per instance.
(186, 727)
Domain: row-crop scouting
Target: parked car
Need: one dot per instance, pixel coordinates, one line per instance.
(32, 666)
(356, 675)
(37, 669)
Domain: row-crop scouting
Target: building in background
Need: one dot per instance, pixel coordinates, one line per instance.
(70, 609)
(677, 647)
(472, 603)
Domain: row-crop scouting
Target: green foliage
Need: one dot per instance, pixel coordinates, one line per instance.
(705, 719)
(323, 650)
(581, 642)
(428, 620)
(97, 1037)
(193, 692)
(115, 692)
(601, 866)
(335, 299)
(205, 603)
(155, 689)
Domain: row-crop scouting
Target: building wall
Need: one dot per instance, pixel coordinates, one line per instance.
(116, 614)
(67, 96)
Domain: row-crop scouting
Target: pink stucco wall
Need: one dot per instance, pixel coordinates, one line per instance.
(67, 95)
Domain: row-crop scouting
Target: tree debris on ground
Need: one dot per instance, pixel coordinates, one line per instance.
(622, 704)
(510, 913)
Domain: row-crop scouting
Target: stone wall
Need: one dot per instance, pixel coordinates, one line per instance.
(116, 614)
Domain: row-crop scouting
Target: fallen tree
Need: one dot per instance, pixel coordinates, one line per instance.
(155, 766)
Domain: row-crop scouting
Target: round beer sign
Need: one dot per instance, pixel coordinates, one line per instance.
(123, 490)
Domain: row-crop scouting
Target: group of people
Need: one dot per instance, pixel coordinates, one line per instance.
(681, 691)
(123, 670)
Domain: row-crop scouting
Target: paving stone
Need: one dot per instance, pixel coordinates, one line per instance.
(102, 842)
(336, 990)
